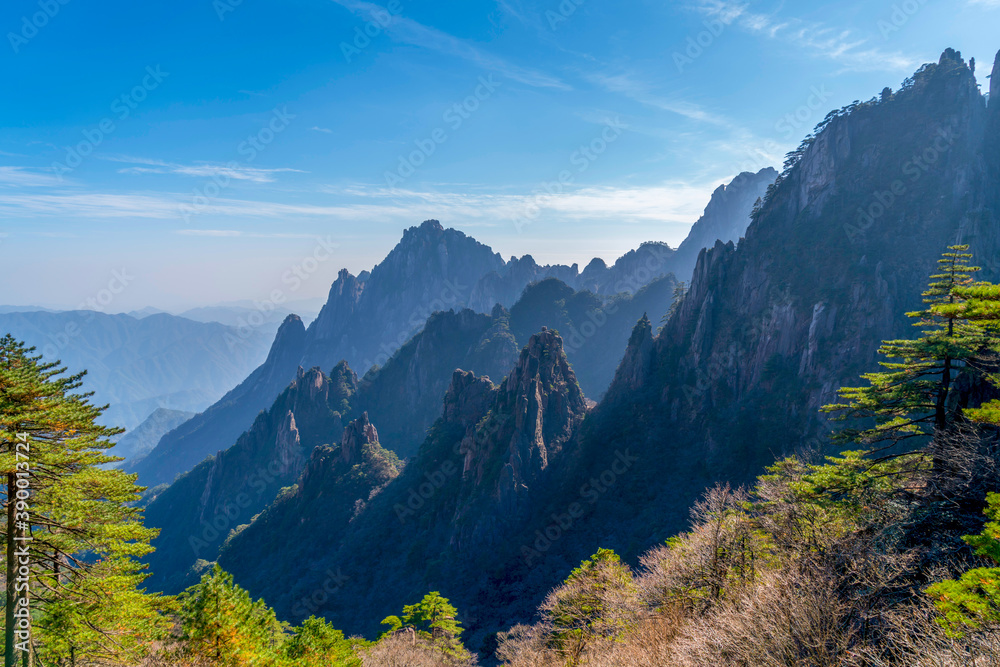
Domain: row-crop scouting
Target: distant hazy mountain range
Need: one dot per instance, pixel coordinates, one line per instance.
(139, 365)
(139, 441)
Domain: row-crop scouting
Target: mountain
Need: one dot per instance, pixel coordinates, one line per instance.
(769, 330)
(514, 486)
(726, 218)
(406, 393)
(336, 486)
(139, 365)
(595, 329)
(454, 512)
(139, 441)
(367, 318)
(198, 511)
(404, 398)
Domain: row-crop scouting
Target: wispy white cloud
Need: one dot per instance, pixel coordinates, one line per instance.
(633, 87)
(989, 4)
(670, 202)
(23, 177)
(238, 232)
(673, 201)
(327, 130)
(853, 53)
(161, 206)
(413, 33)
(232, 170)
(209, 232)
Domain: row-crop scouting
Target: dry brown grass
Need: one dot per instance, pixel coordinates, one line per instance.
(406, 650)
(788, 618)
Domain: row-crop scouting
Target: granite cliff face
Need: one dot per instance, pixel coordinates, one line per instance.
(517, 444)
(769, 336)
(404, 396)
(840, 250)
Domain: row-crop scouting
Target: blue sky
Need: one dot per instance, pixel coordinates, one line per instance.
(204, 146)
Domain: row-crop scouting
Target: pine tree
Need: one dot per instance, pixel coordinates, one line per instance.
(434, 619)
(912, 398)
(591, 603)
(73, 535)
(974, 598)
(316, 643)
(222, 623)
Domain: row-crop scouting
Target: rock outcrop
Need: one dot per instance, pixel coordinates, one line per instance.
(301, 525)
(725, 219)
(197, 512)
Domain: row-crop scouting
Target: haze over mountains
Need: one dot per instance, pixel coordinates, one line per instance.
(767, 332)
(139, 365)
(367, 318)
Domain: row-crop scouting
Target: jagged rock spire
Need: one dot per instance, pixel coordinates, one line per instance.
(357, 434)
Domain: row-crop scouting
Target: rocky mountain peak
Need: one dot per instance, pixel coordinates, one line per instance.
(342, 301)
(290, 337)
(952, 55)
(357, 435)
(468, 398)
(726, 218)
(430, 226)
(635, 365)
(546, 404)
